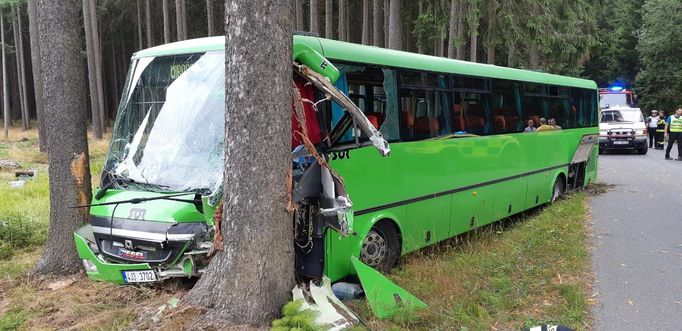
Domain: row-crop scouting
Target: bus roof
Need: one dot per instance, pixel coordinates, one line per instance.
(344, 51)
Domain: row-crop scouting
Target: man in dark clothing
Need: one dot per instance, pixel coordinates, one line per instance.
(660, 131)
(651, 126)
(673, 128)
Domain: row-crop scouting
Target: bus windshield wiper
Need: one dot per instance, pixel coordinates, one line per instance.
(110, 179)
(134, 201)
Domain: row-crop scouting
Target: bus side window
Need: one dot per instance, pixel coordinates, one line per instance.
(506, 112)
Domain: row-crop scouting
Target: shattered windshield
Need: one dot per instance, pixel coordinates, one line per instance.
(170, 127)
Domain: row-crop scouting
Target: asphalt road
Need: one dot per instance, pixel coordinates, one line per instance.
(637, 255)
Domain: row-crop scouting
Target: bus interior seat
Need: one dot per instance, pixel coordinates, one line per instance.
(311, 121)
(426, 126)
(475, 119)
(458, 123)
(377, 119)
(499, 123)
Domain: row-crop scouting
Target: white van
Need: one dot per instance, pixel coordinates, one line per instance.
(622, 127)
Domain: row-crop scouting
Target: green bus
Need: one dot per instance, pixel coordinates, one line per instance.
(459, 156)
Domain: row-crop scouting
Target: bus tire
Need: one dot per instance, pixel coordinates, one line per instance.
(558, 188)
(381, 247)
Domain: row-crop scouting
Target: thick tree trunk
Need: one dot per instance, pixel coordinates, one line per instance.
(92, 72)
(377, 23)
(452, 28)
(534, 53)
(365, 23)
(314, 18)
(148, 23)
(37, 72)
(209, 17)
(5, 95)
(248, 282)
(166, 22)
(459, 51)
(474, 47)
(140, 45)
(343, 32)
(387, 9)
(329, 19)
(511, 55)
(300, 22)
(98, 65)
(69, 171)
(23, 110)
(395, 26)
(490, 35)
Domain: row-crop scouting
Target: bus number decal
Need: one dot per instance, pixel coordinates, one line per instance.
(339, 155)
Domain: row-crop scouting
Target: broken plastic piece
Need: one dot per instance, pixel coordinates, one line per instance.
(329, 311)
(383, 296)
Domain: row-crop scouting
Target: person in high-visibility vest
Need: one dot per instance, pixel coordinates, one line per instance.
(660, 131)
(673, 128)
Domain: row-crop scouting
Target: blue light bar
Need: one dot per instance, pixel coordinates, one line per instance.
(616, 88)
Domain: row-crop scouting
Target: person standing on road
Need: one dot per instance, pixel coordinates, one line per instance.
(673, 129)
(651, 126)
(660, 131)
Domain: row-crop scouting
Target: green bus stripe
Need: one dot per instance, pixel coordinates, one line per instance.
(459, 189)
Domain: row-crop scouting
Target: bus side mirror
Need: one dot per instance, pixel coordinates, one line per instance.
(315, 61)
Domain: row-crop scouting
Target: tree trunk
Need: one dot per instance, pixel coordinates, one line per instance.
(387, 8)
(490, 35)
(22, 66)
(166, 22)
(314, 19)
(329, 19)
(511, 55)
(377, 23)
(140, 45)
(148, 23)
(37, 69)
(395, 36)
(343, 33)
(300, 23)
(20, 80)
(459, 54)
(248, 282)
(181, 19)
(209, 17)
(365, 23)
(98, 64)
(5, 94)
(452, 28)
(534, 53)
(92, 72)
(68, 170)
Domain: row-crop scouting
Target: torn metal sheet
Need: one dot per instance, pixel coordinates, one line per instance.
(384, 297)
(329, 310)
(324, 85)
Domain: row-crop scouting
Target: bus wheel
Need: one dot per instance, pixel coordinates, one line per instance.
(558, 189)
(381, 247)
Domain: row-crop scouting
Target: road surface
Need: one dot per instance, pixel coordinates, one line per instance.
(637, 254)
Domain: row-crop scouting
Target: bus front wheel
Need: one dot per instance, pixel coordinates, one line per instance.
(558, 188)
(381, 247)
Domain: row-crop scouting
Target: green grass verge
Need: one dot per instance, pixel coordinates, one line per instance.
(507, 276)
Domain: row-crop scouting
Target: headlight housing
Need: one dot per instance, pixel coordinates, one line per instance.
(89, 266)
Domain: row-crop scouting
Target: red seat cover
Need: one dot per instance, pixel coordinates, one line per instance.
(312, 125)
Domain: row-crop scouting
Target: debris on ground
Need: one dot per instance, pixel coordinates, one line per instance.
(9, 165)
(60, 284)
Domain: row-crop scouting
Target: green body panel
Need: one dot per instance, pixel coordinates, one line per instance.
(439, 188)
(383, 296)
(156, 210)
(339, 50)
(108, 272)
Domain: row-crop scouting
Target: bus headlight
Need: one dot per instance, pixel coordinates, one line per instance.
(89, 266)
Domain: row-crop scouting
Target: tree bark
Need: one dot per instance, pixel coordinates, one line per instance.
(98, 64)
(387, 8)
(37, 72)
(459, 54)
(248, 282)
(365, 23)
(329, 19)
(23, 110)
(209, 17)
(490, 35)
(452, 28)
(68, 170)
(377, 23)
(140, 45)
(395, 26)
(181, 19)
(166, 22)
(92, 72)
(314, 18)
(300, 22)
(5, 95)
(534, 54)
(343, 32)
(148, 23)
(511, 55)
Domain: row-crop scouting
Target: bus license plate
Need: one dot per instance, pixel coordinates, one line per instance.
(621, 142)
(141, 276)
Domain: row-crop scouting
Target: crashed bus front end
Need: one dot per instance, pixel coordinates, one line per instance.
(153, 215)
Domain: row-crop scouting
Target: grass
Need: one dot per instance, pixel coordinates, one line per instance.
(516, 274)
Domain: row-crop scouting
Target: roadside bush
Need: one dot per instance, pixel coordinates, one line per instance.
(17, 233)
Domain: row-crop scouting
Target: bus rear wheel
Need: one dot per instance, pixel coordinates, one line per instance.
(557, 189)
(381, 247)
